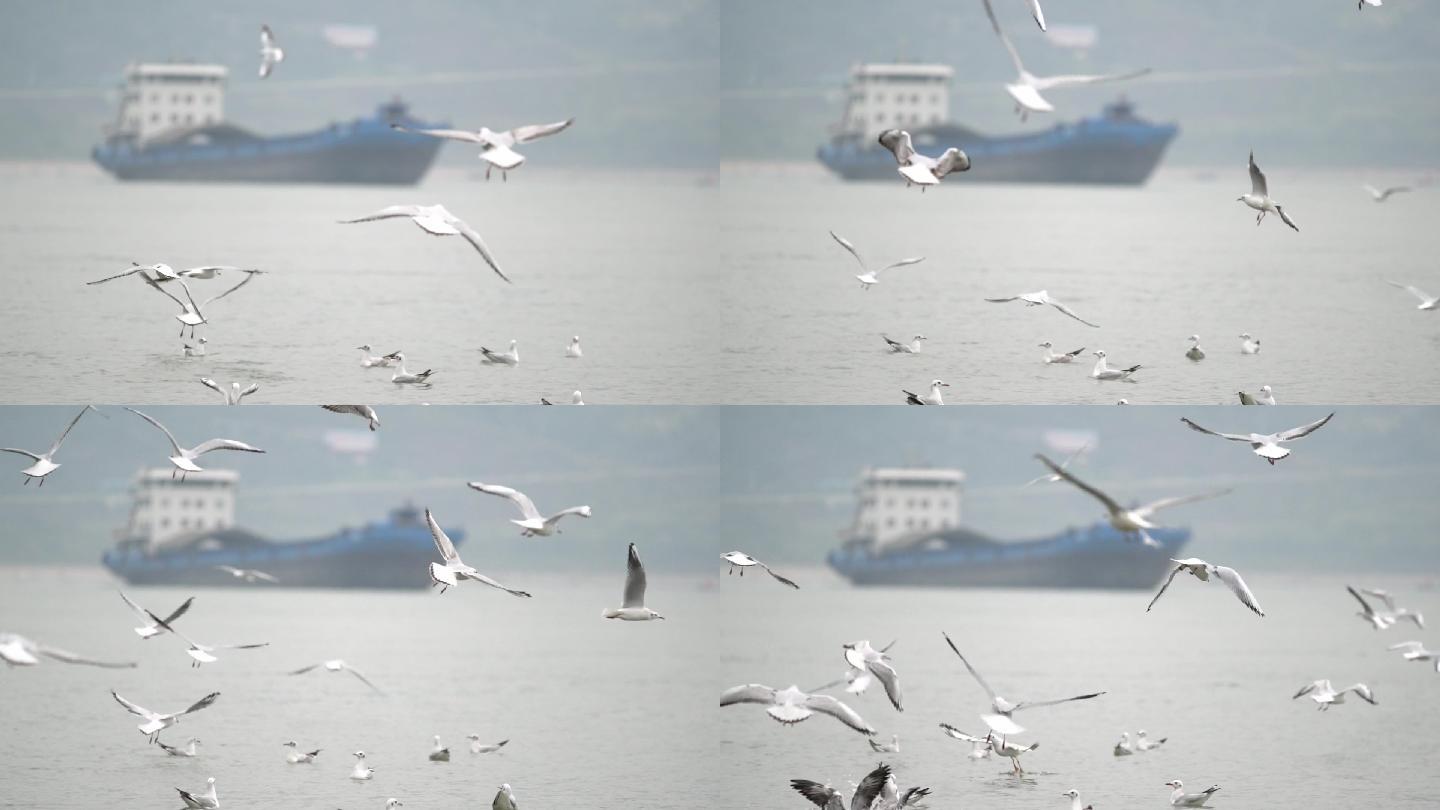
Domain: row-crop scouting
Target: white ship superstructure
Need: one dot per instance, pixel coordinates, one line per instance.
(897, 95)
(895, 503)
(164, 506)
(159, 97)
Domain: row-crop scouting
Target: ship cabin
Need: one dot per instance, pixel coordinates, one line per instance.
(894, 504)
(160, 99)
(164, 507)
(895, 96)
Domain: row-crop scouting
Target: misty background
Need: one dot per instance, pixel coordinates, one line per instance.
(688, 484)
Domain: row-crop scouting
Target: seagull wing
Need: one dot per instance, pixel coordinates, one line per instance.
(1236, 584)
(363, 679)
(888, 679)
(267, 38)
(1369, 611)
(1284, 217)
(845, 243)
(870, 788)
(1072, 80)
(819, 795)
(253, 387)
(1031, 704)
(133, 606)
(898, 142)
(202, 703)
(748, 693)
(58, 441)
(1109, 502)
(224, 444)
(1304, 430)
(530, 132)
(1234, 437)
(1038, 13)
(133, 708)
(479, 577)
(442, 540)
(177, 613)
(582, 511)
(901, 263)
(302, 670)
(154, 285)
(18, 451)
(1161, 592)
(994, 23)
(1003, 300)
(951, 731)
(448, 134)
(72, 658)
(479, 244)
(825, 704)
(214, 386)
(167, 433)
(1245, 399)
(634, 580)
(1165, 503)
(135, 268)
(515, 496)
(1415, 291)
(1383, 596)
(388, 212)
(249, 277)
(893, 344)
(240, 646)
(258, 574)
(1257, 179)
(973, 673)
(1071, 313)
(783, 580)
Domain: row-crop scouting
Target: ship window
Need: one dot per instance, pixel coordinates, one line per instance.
(154, 98)
(174, 118)
(164, 523)
(189, 98)
(889, 522)
(934, 98)
(924, 503)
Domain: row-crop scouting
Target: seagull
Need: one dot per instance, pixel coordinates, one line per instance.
(337, 665)
(892, 747)
(1052, 357)
(203, 653)
(453, 570)
(1415, 651)
(856, 679)
(209, 801)
(295, 756)
(1266, 445)
(1122, 401)
(1102, 370)
(477, 747)
(234, 394)
(573, 350)
(633, 608)
(363, 411)
(1381, 195)
(1124, 748)
(19, 651)
(1248, 344)
(979, 746)
(1363, 3)
(790, 705)
(861, 656)
(164, 272)
(932, 398)
(741, 560)
(1041, 298)
(1326, 695)
(436, 221)
(150, 629)
(184, 458)
(1195, 352)
(1011, 752)
(1129, 521)
(439, 753)
(496, 149)
(248, 574)
(1027, 88)
(494, 358)
(1074, 796)
(155, 721)
(828, 798)
(45, 462)
(1259, 197)
(1037, 13)
(1427, 303)
(1202, 571)
(1396, 613)
(1143, 743)
(361, 771)
(1265, 397)
(890, 798)
(531, 520)
(505, 799)
(871, 277)
(918, 169)
(270, 53)
(1052, 478)
(372, 361)
(403, 376)
(191, 313)
(1182, 799)
(1001, 721)
(1380, 621)
(188, 751)
(896, 347)
(195, 350)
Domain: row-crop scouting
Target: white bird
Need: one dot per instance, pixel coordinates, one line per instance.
(19, 651)
(45, 462)
(1144, 743)
(295, 756)
(496, 146)
(1363, 3)
(892, 747)
(1266, 445)
(932, 398)
(1381, 195)
(192, 312)
(1026, 89)
(1326, 695)
(234, 394)
(449, 573)
(1195, 352)
(208, 801)
(1428, 303)
(741, 560)
(896, 347)
(790, 705)
(1202, 571)
(865, 658)
(866, 796)
(891, 799)
(203, 653)
(392, 803)
(1378, 619)
(1000, 720)
(922, 170)
(632, 608)
(1122, 401)
(1179, 798)
(164, 272)
(439, 753)
(1051, 357)
(337, 665)
(1004, 748)
(403, 376)
(477, 747)
(1102, 370)
(870, 277)
(1124, 748)
(1395, 612)
(368, 360)
(436, 221)
(155, 722)
(151, 629)
(184, 458)
(1248, 344)
(573, 351)
(1037, 13)
(979, 746)
(504, 799)
(1415, 651)
(856, 679)
(251, 575)
(1259, 197)
(1042, 298)
(1052, 478)
(363, 411)
(189, 749)
(532, 522)
(1129, 521)
(508, 358)
(576, 398)
(1265, 397)
(361, 771)
(196, 349)
(270, 52)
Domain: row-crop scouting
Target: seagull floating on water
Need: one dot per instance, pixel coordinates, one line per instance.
(1326, 695)
(870, 277)
(196, 349)
(741, 560)
(270, 52)
(155, 722)
(1000, 721)
(295, 756)
(494, 358)
(184, 458)
(234, 394)
(477, 747)
(1042, 298)
(1266, 445)
(575, 399)
(531, 521)
(1124, 747)
(896, 347)
(207, 801)
(189, 749)
(436, 221)
(932, 398)
(1128, 521)
(449, 574)
(439, 753)
(251, 575)
(1202, 571)
(1381, 195)
(1051, 357)
(495, 146)
(1265, 397)
(1195, 352)
(1144, 743)
(1363, 3)
(1428, 303)
(504, 799)
(1179, 798)
(404, 377)
(202, 654)
(151, 628)
(369, 360)
(1102, 370)
(573, 351)
(45, 462)
(918, 169)
(363, 411)
(19, 651)
(1248, 344)
(1259, 197)
(790, 705)
(337, 665)
(633, 608)
(361, 771)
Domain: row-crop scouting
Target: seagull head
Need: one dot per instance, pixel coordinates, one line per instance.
(1099, 353)
(921, 337)
(1140, 733)
(293, 744)
(1175, 783)
(1245, 336)
(1047, 345)
(210, 781)
(474, 737)
(1194, 338)
(1072, 793)
(939, 384)
(364, 348)
(1265, 388)
(574, 338)
(359, 754)
(395, 356)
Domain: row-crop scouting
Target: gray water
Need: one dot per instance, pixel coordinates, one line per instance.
(608, 716)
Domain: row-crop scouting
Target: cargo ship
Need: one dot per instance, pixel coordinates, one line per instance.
(171, 126)
(907, 531)
(182, 532)
(1115, 148)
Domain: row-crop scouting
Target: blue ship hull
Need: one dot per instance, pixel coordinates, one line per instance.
(365, 150)
(1114, 149)
(1097, 557)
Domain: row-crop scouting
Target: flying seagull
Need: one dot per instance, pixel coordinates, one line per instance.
(19, 651)
(1381, 195)
(435, 220)
(741, 560)
(151, 628)
(449, 573)
(496, 146)
(1415, 651)
(45, 462)
(156, 721)
(932, 398)
(234, 394)
(164, 272)
(1000, 720)
(633, 608)
(184, 458)
(191, 312)
(1052, 478)
(1041, 298)
(865, 658)
(1259, 197)
(918, 169)
(828, 798)
(790, 705)
(871, 277)
(979, 746)
(1266, 445)
(1428, 303)
(1396, 613)
(1051, 357)
(1129, 521)
(202, 653)
(363, 411)
(337, 665)
(531, 521)
(270, 52)
(1202, 571)
(1326, 695)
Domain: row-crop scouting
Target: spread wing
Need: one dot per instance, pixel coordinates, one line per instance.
(58, 441)
(898, 142)
(213, 386)
(783, 580)
(133, 708)
(748, 693)
(1369, 611)
(1236, 584)
(1071, 313)
(1072, 80)
(249, 277)
(267, 37)
(819, 795)
(955, 733)
(202, 703)
(1245, 399)
(825, 704)
(18, 451)
(154, 285)
(901, 263)
(845, 243)
(388, 212)
(302, 670)
(1285, 218)
(1304, 430)
(1161, 593)
(1257, 179)
(177, 613)
(520, 499)
(363, 679)
(530, 132)
(1234, 437)
(1038, 13)
(1059, 470)
(253, 387)
(994, 23)
(135, 268)
(888, 679)
(442, 540)
(1383, 596)
(1031, 704)
(870, 788)
(167, 433)
(448, 134)
(72, 658)
(224, 444)
(973, 673)
(479, 244)
(1003, 300)
(634, 580)
(1165, 503)
(1415, 291)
